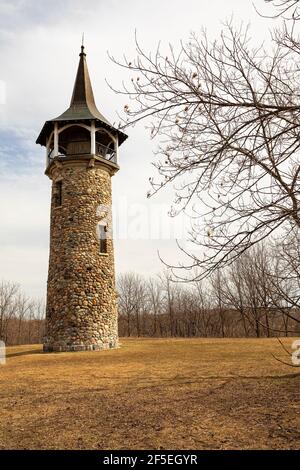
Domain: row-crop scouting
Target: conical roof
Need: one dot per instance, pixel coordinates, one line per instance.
(82, 106)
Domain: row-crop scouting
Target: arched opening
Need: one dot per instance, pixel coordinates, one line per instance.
(81, 139)
(62, 152)
(105, 145)
(74, 140)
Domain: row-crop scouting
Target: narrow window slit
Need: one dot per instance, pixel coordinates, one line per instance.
(58, 194)
(103, 238)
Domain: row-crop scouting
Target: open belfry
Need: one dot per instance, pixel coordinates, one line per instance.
(82, 156)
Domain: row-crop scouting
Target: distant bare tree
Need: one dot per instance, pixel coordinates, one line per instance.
(217, 281)
(8, 293)
(21, 318)
(285, 279)
(24, 307)
(234, 293)
(132, 299)
(204, 303)
(39, 317)
(169, 288)
(258, 295)
(155, 304)
(260, 258)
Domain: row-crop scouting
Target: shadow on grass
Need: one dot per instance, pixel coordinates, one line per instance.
(291, 376)
(25, 353)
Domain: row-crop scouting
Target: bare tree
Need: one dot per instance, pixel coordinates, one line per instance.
(227, 117)
(155, 302)
(21, 318)
(217, 289)
(169, 289)
(204, 302)
(234, 293)
(288, 9)
(261, 278)
(285, 279)
(132, 299)
(250, 298)
(8, 293)
(24, 307)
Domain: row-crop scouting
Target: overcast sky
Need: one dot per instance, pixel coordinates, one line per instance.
(39, 47)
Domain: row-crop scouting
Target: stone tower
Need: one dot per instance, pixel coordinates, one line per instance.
(81, 157)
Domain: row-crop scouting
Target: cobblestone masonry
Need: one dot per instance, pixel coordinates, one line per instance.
(81, 298)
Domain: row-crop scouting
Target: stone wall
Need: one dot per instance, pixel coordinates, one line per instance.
(81, 298)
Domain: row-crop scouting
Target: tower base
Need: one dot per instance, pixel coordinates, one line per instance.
(79, 347)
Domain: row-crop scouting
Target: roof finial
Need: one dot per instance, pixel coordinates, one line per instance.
(82, 44)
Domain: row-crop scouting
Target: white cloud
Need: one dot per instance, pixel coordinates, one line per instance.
(39, 49)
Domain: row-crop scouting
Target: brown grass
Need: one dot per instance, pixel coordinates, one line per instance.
(151, 394)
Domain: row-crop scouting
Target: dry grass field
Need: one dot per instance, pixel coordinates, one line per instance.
(151, 394)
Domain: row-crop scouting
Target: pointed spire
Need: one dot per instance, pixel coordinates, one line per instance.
(82, 106)
(83, 93)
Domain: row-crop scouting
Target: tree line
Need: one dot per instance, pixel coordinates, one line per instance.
(21, 318)
(257, 296)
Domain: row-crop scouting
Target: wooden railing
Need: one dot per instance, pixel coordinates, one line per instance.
(103, 151)
(106, 152)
